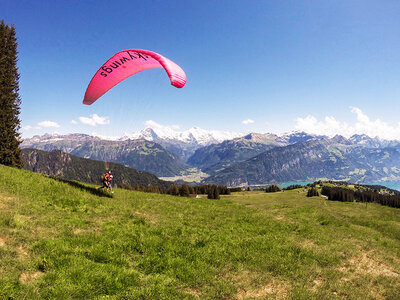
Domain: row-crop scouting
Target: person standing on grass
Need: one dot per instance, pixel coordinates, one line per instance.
(107, 181)
(110, 178)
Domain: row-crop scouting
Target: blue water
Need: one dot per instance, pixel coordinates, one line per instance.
(395, 185)
(286, 184)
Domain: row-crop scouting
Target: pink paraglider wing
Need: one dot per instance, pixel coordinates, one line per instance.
(125, 64)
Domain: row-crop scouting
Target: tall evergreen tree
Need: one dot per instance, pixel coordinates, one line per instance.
(210, 193)
(10, 153)
(184, 190)
(173, 190)
(312, 192)
(216, 193)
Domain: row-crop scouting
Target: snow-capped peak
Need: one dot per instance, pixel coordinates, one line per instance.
(192, 135)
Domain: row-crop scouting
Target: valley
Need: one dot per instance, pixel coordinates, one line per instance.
(249, 160)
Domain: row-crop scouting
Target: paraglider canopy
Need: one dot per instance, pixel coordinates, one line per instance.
(125, 64)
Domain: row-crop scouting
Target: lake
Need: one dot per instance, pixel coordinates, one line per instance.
(394, 185)
(286, 184)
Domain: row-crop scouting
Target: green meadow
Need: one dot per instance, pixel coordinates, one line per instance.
(66, 240)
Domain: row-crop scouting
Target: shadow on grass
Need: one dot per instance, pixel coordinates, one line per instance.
(95, 191)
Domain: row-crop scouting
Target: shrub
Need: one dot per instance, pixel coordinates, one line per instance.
(272, 189)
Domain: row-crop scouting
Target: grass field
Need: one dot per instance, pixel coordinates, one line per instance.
(66, 241)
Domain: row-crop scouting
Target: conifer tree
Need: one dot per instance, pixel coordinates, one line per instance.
(173, 190)
(184, 190)
(216, 193)
(210, 193)
(272, 189)
(312, 192)
(10, 153)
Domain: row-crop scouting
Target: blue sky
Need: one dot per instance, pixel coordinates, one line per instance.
(322, 66)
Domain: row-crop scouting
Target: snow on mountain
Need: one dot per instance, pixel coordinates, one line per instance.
(204, 137)
(55, 137)
(197, 137)
(376, 142)
(299, 136)
(192, 135)
(365, 140)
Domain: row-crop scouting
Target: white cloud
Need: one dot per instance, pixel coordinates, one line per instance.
(48, 124)
(152, 124)
(74, 122)
(155, 125)
(361, 125)
(29, 127)
(26, 128)
(248, 121)
(94, 120)
(40, 125)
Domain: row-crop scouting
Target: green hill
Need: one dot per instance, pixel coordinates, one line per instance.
(140, 154)
(67, 166)
(64, 241)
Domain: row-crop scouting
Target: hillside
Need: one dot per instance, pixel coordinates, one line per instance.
(58, 241)
(64, 165)
(140, 154)
(335, 158)
(219, 156)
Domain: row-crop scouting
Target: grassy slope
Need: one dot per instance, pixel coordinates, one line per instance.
(59, 241)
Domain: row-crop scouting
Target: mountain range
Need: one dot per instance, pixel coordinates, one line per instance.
(335, 158)
(183, 144)
(233, 159)
(140, 154)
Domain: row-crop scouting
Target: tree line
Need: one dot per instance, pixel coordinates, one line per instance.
(368, 196)
(293, 187)
(184, 190)
(274, 188)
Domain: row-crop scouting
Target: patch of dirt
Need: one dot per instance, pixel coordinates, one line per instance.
(2, 241)
(308, 244)
(147, 216)
(45, 232)
(78, 230)
(249, 285)
(192, 292)
(142, 214)
(4, 202)
(21, 251)
(365, 263)
(274, 288)
(26, 277)
(317, 283)
(284, 219)
(93, 229)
